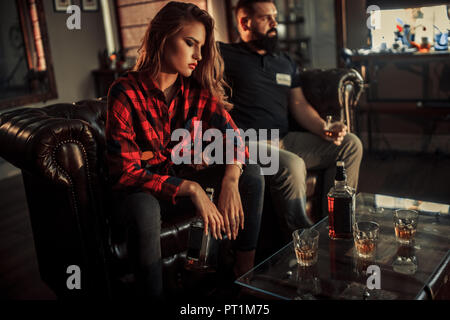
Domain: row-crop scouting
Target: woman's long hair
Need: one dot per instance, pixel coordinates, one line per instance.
(168, 22)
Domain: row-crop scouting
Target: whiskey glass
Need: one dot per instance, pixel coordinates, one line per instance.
(306, 243)
(405, 224)
(365, 236)
(331, 123)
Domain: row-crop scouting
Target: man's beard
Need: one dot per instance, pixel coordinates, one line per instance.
(266, 42)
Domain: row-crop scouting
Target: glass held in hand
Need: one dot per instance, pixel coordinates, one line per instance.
(332, 127)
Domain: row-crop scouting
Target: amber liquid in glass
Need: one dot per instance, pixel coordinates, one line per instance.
(306, 256)
(365, 247)
(331, 134)
(404, 232)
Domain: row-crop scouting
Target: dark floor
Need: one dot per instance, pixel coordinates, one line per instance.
(417, 177)
(19, 273)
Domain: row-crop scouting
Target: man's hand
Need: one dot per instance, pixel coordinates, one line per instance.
(335, 132)
(230, 207)
(309, 118)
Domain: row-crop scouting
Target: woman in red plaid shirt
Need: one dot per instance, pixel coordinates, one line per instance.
(177, 81)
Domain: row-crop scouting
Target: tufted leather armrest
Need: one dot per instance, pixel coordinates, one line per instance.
(61, 151)
(58, 155)
(42, 144)
(333, 92)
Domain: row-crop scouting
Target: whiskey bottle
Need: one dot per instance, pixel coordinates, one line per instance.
(341, 206)
(202, 248)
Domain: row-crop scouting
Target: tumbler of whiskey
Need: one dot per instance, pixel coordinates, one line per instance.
(365, 235)
(405, 224)
(332, 126)
(306, 243)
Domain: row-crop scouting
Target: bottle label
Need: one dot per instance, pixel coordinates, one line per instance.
(340, 215)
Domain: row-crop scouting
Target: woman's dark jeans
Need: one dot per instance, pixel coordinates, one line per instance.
(139, 217)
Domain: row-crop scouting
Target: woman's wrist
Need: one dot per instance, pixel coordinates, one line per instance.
(239, 165)
(189, 188)
(232, 174)
(227, 180)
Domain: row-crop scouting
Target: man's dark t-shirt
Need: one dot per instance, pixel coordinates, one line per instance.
(260, 86)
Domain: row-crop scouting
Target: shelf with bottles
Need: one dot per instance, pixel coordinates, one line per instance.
(407, 30)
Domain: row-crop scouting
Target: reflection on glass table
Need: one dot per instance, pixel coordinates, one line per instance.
(405, 271)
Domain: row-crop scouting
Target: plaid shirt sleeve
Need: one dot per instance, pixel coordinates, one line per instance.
(124, 155)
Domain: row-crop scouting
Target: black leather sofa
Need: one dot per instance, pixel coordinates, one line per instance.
(61, 152)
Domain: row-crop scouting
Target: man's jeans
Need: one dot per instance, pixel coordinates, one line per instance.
(299, 152)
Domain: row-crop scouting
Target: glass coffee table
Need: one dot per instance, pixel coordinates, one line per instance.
(417, 271)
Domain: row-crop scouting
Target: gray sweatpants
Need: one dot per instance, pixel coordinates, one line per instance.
(302, 151)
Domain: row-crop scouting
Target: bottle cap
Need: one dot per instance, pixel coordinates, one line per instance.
(210, 193)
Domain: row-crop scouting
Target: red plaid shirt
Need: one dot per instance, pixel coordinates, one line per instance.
(139, 127)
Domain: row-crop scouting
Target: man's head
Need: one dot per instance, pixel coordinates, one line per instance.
(257, 23)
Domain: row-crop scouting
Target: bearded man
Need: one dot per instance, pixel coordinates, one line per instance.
(266, 88)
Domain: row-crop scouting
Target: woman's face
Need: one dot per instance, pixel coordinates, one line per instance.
(182, 51)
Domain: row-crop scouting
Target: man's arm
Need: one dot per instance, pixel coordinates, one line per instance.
(304, 113)
(309, 118)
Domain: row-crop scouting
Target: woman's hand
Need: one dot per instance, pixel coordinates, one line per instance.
(230, 207)
(205, 207)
